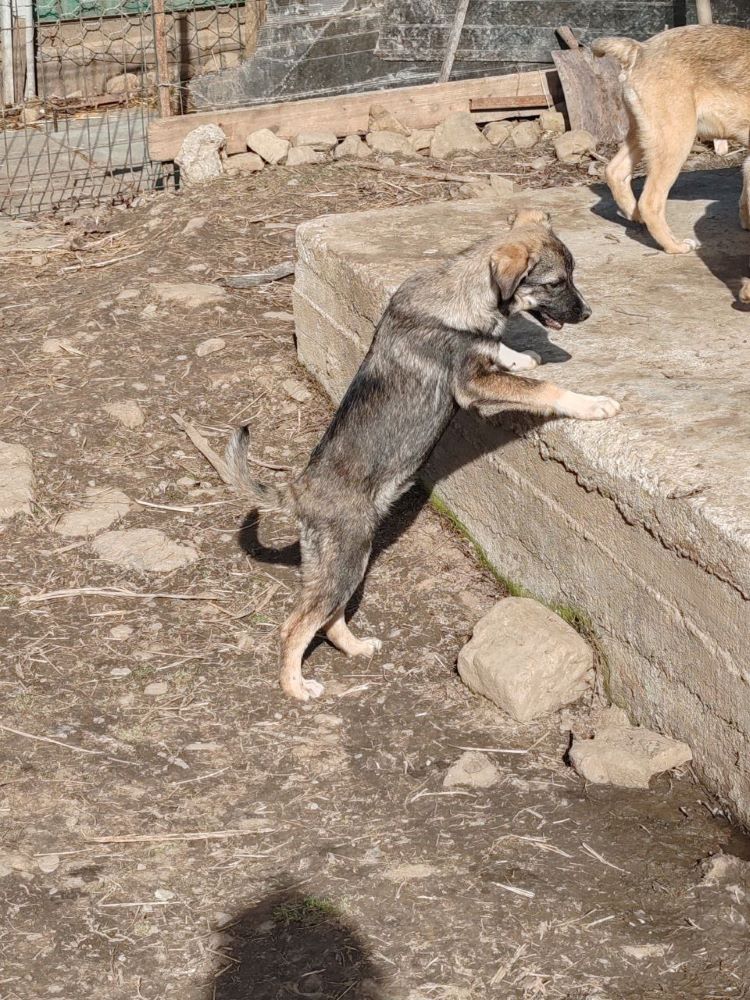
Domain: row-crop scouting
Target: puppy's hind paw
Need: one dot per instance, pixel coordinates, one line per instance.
(687, 246)
(303, 689)
(369, 647)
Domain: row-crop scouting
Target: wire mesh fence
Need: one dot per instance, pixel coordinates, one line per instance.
(82, 79)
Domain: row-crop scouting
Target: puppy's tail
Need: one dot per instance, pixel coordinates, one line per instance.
(271, 498)
(625, 50)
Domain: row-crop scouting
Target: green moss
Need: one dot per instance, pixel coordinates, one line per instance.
(575, 617)
(309, 910)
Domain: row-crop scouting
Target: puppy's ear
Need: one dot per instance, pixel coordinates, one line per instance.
(509, 265)
(529, 217)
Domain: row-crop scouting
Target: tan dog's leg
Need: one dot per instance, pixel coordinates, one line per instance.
(487, 388)
(667, 144)
(745, 196)
(297, 633)
(619, 174)
(339, 634)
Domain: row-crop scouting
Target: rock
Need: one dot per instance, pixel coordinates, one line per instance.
(526, 659)
(473, 769)
(193, 225)
(497, 133)
(496, 187)
(383, 120)
(31, 114)
(389, 142)
(244, 163)
(123, 83)
(127, 294)
(155, 689)
(128, 413)
(540, 163)
(641, 952)
(625, 755)
(571, 147)
(120, 633)
(726, 869)
(16, 480)
(421, 138)
(352, 146)
(59, 345)
(144, 549)
(552, 121)
(200, 156)
(405, 872)
(322, 142)
(48, 863)
(300, 156)
(458, 134)
(268, 145)
(525, 135)
(210, 346)
(296, 389)
(190, 295)
(102, 508)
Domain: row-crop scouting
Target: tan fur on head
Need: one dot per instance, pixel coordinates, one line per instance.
(510, 264)
(624, 50)
(529, 217)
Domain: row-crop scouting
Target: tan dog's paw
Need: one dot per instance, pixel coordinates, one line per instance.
(369, 647)
(582, 407)
(687, 246)
(303, 690)
(525, 362)
(744, 295)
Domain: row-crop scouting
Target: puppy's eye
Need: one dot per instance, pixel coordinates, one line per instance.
(555, 284)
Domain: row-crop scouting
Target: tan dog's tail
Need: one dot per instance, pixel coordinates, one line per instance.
(625, 50)
(267, 497)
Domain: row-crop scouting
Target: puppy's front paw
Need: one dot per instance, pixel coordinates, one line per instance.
(744, 295)
(687, 246)
(581, 407)
(302, 689)
(525, 362)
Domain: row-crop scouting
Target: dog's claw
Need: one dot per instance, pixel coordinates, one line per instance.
(582, 407)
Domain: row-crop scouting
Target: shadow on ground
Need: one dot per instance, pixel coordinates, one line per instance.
(294, 944)
(724, 247)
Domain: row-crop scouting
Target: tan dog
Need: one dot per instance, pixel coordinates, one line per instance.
(680, 84)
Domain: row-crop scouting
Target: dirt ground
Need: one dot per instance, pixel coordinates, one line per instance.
(170, 825)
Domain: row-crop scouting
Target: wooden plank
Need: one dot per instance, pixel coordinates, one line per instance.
(508, 103)
(593, 93)
(417, 107)
(453, 39)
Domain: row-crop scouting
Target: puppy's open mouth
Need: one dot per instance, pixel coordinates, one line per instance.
(543, 317)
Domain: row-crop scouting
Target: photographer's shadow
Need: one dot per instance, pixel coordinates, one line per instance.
(295, 945)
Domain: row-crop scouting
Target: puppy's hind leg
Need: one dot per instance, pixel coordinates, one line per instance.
(667, 143)
(619, 174)
(339, 634)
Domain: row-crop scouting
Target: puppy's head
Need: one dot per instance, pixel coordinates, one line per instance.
(533, 272)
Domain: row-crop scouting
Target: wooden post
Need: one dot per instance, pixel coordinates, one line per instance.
(453, 39)
(255, 15)
(703, 9)
(162, 58)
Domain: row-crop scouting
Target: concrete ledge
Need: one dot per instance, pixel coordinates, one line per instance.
(641, 522)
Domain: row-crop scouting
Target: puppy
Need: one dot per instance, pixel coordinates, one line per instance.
(436, 349)
(680, 84)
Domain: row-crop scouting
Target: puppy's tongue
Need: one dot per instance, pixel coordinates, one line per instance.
(551, 324)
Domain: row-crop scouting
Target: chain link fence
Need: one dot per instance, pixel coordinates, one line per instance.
(81, 80)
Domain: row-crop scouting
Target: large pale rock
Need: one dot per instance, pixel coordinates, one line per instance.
(526, 659)
(144, 549)
(383, 120)
(497, 133)
(421, 138)
(102, 508)
(389, 142)
(16, 480)
(726, 870)
(473, 769)
(123, 83)
(188, 294)
(244, 163)
(525, 135)
(627, 756)
(458, 134)
(200, 157)
(301, 156)
(323, 142)
(268, 145)
(571, 147)
(352, 146)
(552, 121)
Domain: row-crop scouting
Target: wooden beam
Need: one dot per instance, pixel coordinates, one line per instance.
(417, 107)
(508, 103)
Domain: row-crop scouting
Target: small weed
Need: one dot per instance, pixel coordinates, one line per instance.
(309, 910)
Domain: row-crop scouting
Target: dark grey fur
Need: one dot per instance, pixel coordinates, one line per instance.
(436, 348)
